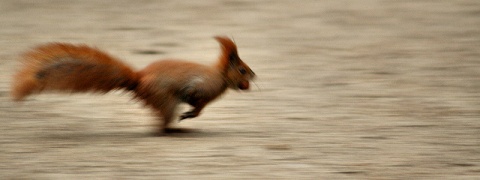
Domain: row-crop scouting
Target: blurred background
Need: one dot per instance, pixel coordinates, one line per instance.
(373, 89)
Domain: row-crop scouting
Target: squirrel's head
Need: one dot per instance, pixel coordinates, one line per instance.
(236, 72)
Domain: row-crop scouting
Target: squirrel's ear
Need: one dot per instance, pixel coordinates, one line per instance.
(226, 42)
(229, 50)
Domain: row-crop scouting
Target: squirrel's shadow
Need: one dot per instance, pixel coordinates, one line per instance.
(180, 132)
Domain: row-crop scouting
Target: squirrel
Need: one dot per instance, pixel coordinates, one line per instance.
(162, 85)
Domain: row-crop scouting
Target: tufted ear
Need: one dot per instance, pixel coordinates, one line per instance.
(229, 55)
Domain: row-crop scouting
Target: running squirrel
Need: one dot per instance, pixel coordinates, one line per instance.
(162, 85)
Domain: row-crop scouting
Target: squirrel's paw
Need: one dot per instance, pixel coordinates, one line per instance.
(188, 115)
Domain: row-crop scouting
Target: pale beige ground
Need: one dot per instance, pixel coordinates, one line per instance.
(370, 89)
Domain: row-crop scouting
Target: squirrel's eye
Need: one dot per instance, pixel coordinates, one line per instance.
(242, 71)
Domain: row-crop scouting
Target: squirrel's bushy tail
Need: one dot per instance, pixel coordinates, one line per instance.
(71, 68)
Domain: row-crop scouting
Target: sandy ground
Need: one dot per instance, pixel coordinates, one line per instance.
(370, 89)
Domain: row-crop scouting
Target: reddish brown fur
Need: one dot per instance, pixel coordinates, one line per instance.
(59, 66)
(161, 85)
